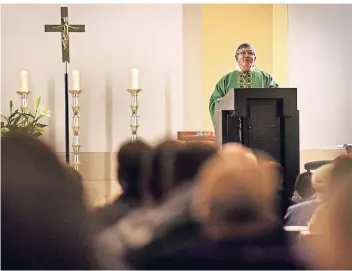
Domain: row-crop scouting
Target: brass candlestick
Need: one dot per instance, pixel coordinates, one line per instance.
(134, 108)
(24, 98)
(24, 102)
(75, 128)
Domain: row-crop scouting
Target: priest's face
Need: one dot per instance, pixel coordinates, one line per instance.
(245, 58)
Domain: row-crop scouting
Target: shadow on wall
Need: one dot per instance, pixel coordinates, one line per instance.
(109, 129)
(168, 118)
(84, 112)
(51, 129)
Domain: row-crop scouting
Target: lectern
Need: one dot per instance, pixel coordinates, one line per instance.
(263, 119)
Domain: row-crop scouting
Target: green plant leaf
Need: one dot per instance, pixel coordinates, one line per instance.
(11, 106)
(12, 115)
(38, 103)
(36, 120)
(37, 134)
(17, 120)
(28, 115)
(39, 130)
(14, 119)
(3, 116)
(24, 120)
(4, 130)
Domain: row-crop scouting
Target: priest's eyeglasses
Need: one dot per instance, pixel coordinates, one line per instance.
(244, 53)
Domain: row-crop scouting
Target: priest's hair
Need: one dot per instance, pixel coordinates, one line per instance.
(244, 45)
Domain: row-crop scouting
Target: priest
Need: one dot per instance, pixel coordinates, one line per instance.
(246, 75)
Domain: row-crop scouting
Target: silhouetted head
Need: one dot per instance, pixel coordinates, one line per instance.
(129, 166)
(43, 212)
(303, 185)
(156, 170)
(187, 162)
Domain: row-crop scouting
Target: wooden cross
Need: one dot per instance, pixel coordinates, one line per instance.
(65, 28)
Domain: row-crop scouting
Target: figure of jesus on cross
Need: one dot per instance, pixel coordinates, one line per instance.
(65, 32)
(65, 28)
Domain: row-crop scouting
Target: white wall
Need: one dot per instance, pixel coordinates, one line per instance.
(319, 60)
(117, 38)
(348, 34)
(0, 52)
(192, 66)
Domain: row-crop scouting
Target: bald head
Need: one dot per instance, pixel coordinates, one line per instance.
(235, 183)
(321, 178)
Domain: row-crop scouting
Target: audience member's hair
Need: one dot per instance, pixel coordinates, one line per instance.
(303, 185)
(186, 163)
(342, 169)
(43, 216)
(327, 180)
(333, 224)
(321, 178)
(236, 190)
(129, 160)
(156, 169)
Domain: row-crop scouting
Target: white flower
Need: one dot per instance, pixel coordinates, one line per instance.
(46, 112)
(39, 130)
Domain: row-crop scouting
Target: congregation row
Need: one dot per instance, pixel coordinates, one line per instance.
(182, 206)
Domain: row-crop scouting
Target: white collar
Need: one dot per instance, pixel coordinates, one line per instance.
(253, 68)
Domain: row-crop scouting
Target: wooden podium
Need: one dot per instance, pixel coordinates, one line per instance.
(263, 119)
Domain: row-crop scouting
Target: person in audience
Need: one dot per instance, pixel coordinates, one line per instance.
(234, 200)
(74, 174)
(331, 242)
(301, 213)
(43, 214)
(129, 166)
(342, 169)
(303, 187)
(156, 170)
(282, 195)
(347, 154)
(338, 173)
(164, 224)
(234, 147)
(348, 149)
(179, 227)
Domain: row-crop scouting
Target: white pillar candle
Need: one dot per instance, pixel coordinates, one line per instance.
(24, 81)
(75, 80)
(134, 79)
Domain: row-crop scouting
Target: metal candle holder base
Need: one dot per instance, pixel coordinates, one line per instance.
(24, 101)
(75, 128)
(24, 98)
(134, 108)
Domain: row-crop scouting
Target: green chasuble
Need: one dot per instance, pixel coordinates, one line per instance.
(240, 79)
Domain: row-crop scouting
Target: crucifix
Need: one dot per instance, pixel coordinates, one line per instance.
(65, 28)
